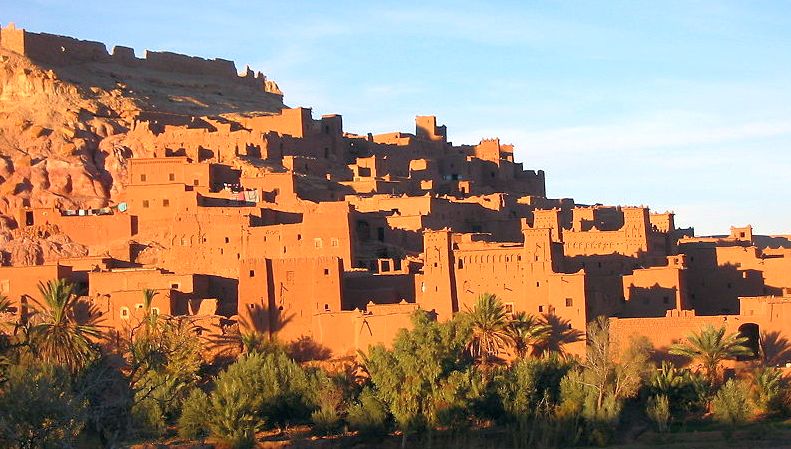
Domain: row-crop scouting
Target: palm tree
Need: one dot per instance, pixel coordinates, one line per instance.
(5, 309)
(150, 320)
(528, 331)
(711, 346)
(490, 329)
(56, 335)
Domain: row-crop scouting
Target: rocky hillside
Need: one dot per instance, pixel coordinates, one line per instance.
(66, 133)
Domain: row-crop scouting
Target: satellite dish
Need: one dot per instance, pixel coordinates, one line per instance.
(122, 207)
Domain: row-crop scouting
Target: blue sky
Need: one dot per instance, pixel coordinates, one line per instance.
(682, 106)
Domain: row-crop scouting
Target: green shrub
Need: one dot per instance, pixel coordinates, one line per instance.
(257, 390)
(367, 415)
(658, 409)
(233, 414)
(414, 377)
(109, 399)
(770, 390)
(38, 408)
(524, 384)
(325, 421)
(148, 419)
(686, 391)
(731, 405)
(193, 422)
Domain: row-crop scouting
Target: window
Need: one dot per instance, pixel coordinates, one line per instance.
(175, 286)
(145, 204)
(317, 243)
(142, 178)
(195, 182)
(538, 284)
(461, 264)
(155, 311)
(509, 308)
(252, 273)
(540, 309)
(227, 240)
(165, 203)
(124, 313)
(299, 236)
(171, 177)
(326, 307)
(289, 276)
(569, 302)
(334, 242)
(139, 306)
(326, 272)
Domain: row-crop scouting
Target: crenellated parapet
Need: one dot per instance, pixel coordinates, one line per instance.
(55, 50)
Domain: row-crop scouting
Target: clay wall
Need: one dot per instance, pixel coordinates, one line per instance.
(323, 230)
(363, 287)
(273, 187)
(435, 288)
(426, 128)
(651, 292)
(347, 332)
(164, 170)
(718, 276)
(135, 279)
(13, 39)
(292, 122)
(769, 316)
(173, 62)
(488, 150)
(61, 50)
(100, 233)
(122, 310)
(549, 219)
(631, 240)
(57, 50)
(174, 135)
(663, 222)
(211, 242)
(282, 295)
(20, 284)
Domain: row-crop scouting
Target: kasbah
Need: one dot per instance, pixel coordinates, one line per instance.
(238, 211)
